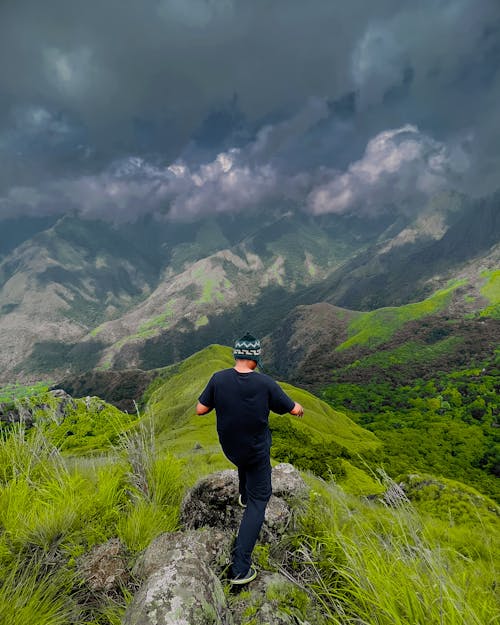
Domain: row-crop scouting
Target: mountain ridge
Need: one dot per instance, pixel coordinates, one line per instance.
(82, 295)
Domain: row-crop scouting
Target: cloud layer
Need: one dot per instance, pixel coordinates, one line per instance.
(318, 103)
(399, 169)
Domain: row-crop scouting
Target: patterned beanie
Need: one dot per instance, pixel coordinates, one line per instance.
(247, 348)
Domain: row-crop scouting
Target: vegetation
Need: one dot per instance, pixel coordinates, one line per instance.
(77, 425)
(10, 392)
(297, 447)
(422, 551)
(491, 291)
(366, 562)
(447, 425)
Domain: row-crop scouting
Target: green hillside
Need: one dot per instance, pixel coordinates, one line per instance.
(491, 291)
(446, 424)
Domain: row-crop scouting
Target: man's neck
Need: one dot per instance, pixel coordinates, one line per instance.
(242, 367)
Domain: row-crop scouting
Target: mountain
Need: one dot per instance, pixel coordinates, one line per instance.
(439, 245)
(424, 377)
(456, 326)
(84, 293)
(81, 295)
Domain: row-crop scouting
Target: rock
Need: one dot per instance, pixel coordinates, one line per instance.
(209, 545)
(276, 521)
(104, 568)
(179, 570)
(212, 502)
(274, 600)
(183, 589)
(287, 482)
(60, 394)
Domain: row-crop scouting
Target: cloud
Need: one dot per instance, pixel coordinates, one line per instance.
(234, 180)
(133, 188)
(398, 168)
(99, 85)
(167, 64)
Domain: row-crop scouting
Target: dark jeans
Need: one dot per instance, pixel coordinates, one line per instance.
(255, 491)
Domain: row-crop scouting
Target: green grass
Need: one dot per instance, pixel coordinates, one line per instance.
(160, 321)
(491, 291)
(80, 425)
(368, 563)
(430, 561)
(55, 508)
(408, 352)
(377, 326)
(213, 288)
(201, 321)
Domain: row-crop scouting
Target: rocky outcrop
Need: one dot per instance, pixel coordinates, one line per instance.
(104, 568)
(182, 573)
(25, 410)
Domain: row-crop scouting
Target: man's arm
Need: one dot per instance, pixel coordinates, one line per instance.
(297, 410)
(206, 400)
(202, 409)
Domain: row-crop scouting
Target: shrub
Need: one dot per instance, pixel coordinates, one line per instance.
(297, 447)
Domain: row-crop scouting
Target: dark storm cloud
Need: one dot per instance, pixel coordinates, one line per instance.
(91, 85)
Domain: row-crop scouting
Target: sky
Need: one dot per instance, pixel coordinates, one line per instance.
(115, 109)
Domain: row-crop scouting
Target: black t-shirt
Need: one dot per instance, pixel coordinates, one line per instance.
(242, 402)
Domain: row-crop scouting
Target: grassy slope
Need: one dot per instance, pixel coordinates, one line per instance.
(424, 564)
(377, 326)
(491, 291)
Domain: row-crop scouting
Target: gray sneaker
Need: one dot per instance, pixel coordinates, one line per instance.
(244, 579)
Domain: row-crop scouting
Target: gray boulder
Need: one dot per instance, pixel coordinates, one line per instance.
(180, 570)
(182, 592)
(288, 483)
(209, 545)
(213, 502)
(180, 588)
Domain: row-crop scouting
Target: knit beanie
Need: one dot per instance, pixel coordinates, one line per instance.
(247, 348)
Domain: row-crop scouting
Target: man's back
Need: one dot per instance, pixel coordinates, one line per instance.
(242, 402)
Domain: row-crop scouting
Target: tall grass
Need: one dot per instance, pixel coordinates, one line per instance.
(29, 598)
(53, 510)
(156, 487)
(370, 564)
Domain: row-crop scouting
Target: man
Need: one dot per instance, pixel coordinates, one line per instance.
(242, 399)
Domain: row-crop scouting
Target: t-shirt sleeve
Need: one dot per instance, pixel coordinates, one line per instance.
(279, 401)
(207, 398)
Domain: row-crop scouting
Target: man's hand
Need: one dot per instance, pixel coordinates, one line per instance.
(297, 410)
(201, 409)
